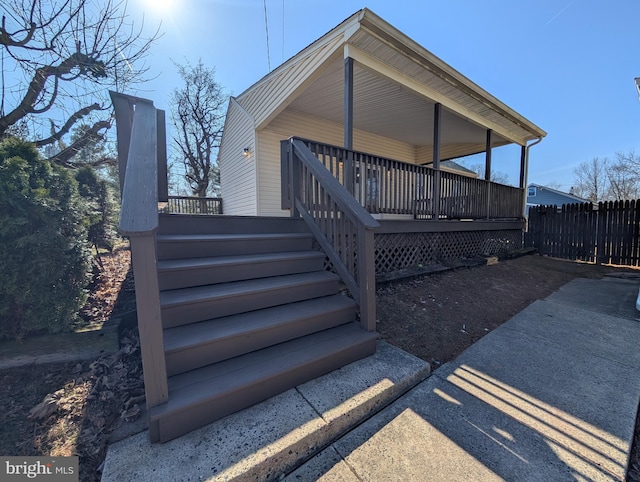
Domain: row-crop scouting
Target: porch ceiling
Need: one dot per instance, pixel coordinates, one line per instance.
(387, 108)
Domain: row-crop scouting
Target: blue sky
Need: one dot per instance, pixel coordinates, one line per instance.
(566, 65)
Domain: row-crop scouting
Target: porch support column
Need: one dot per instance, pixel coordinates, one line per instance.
(487, 170)
(349, 175)
(487, 162)
(523, 156)
(348, 103)
(436, 159)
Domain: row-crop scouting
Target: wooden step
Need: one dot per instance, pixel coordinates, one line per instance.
(190, 305)
(201, 396)
(199, 344)
(187, 272)
(198, 224)
(178, 246)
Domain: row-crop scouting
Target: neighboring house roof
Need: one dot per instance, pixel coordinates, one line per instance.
(545, 195)
(396, 84)
(455, 167)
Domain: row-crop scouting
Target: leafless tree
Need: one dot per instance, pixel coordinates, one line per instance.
(58, 59)
(554, 185)
(591, 180)
(496, 176)
(624, 176)
(606, 179)
(197, 112)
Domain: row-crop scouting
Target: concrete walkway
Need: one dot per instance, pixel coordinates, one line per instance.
(550, 395)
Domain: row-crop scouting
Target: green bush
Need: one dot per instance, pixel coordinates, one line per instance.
(100, 208)
(44, 254)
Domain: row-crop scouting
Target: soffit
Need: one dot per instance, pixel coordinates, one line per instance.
(388, 109)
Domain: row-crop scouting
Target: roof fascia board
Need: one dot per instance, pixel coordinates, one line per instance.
(396, 76)
(399, 41)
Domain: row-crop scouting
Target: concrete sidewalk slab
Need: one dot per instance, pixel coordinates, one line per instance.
(595, 333)
(609, 296)
(275, 436)
(550, 395)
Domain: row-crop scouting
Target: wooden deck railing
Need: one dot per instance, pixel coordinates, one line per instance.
(193, 205)
(138, 132)
(343, 228)
(384, 185)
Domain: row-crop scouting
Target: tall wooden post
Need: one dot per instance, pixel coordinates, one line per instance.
(523, 157)
(437, 123)
(349, 175)
(487, 170)
(124, 120)
(163, 183)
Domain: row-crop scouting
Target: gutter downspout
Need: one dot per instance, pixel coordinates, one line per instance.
(526, 174)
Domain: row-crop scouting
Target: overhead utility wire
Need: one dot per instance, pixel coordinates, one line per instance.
(266, 28)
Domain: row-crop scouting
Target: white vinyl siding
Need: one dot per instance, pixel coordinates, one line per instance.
(289, 124)
(237, 172)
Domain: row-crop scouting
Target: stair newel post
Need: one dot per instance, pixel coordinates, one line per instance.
(138, 136)
(295, 181)
(367, 278)
(144, 262)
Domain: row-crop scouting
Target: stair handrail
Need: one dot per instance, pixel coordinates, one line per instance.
(137, 132)
(324, 204)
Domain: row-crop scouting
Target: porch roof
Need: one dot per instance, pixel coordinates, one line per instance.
(396, 85)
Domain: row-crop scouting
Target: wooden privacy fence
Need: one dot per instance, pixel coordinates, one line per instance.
(605, 233)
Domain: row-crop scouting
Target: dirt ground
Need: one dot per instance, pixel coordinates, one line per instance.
(65, 409)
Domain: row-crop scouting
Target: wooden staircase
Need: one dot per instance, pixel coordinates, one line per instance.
(247, 312)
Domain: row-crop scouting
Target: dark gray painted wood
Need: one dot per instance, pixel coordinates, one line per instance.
(487, 171)
(163, 182)
(348, 103)
(187, 272)
(139, 209)
(416, 226)
(175, 246)
(487, 159)
(523, 166)
(124, 118)
(201, 396)
(200, 344)
(143, 260)
(189, 305)
(437, 127)
(195, 224)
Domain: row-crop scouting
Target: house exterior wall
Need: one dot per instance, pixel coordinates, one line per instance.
(544, 196)
(290, 123)
(237, 172)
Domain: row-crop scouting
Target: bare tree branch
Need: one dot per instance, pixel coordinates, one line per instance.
(90, 135)
(55, 137)
(71, 52)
